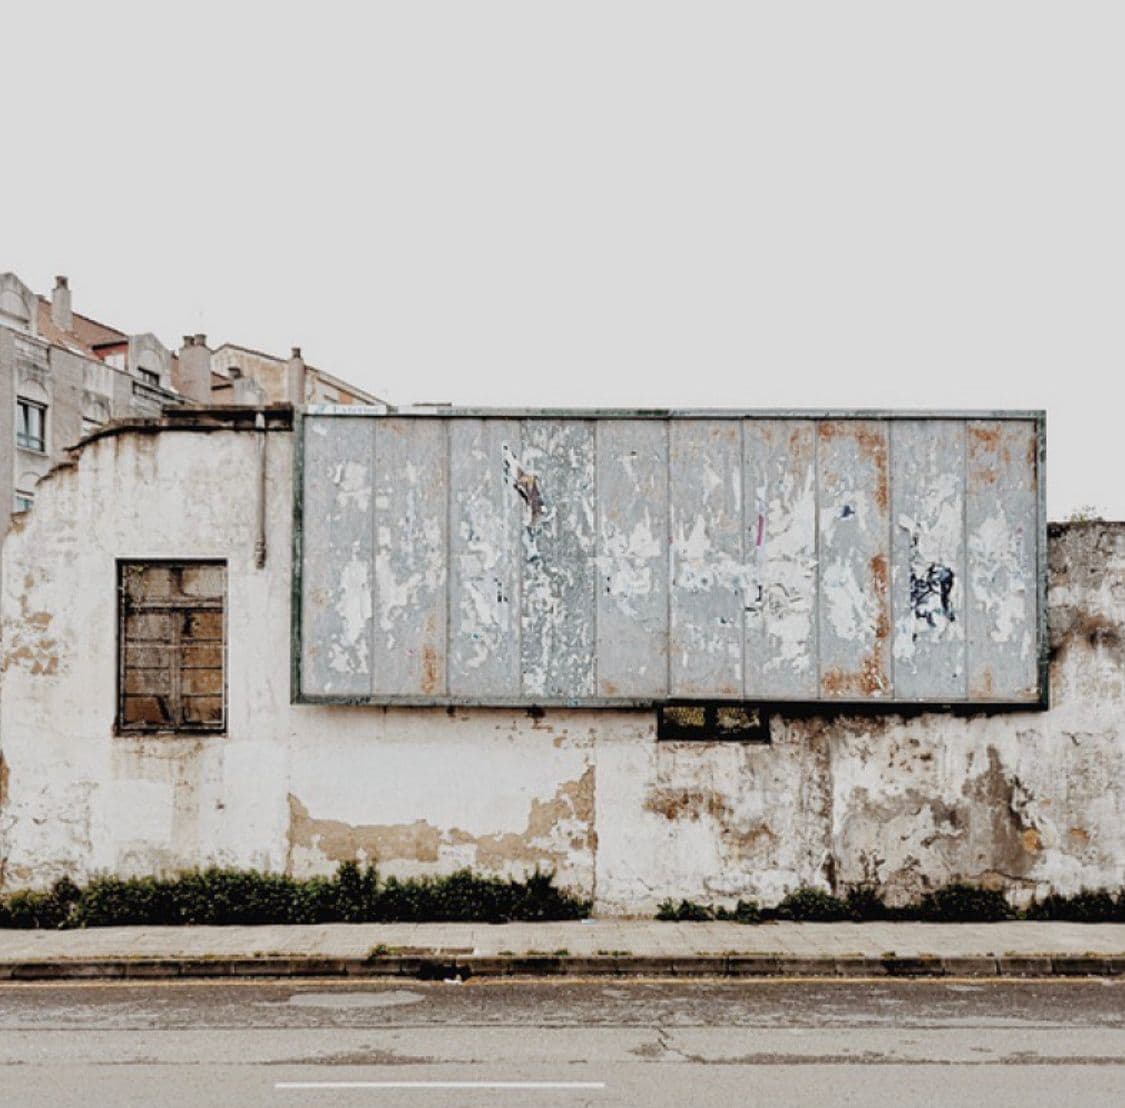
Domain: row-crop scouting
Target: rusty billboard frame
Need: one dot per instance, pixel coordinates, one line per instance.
(795, 706)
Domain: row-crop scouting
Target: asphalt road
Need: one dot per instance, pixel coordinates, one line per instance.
(569, 1043)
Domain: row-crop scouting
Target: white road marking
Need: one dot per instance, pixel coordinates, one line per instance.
(439, 1085)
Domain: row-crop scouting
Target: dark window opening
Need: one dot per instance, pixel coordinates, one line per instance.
(172, 637)
(711, 722)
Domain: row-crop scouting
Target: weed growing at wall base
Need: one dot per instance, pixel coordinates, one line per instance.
(351, 895)
(687, 911)
(955, 903)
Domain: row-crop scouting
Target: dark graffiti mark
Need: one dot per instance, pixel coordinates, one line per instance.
(847, 511)
(526, 484)
(930, 595)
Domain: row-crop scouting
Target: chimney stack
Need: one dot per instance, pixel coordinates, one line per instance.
(192, 376)
(295, 378)
(61, 315)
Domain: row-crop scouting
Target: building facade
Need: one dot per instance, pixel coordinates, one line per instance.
(148, 724)
(64, 375)
(240, 371)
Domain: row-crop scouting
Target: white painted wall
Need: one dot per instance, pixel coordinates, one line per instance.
(1025, 800)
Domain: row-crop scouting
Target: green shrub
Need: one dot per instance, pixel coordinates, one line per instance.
(50, 909)
(357, 893)
(955, 903)
(136, 900)
(218, 896)
(812, 906)
(863, 902)
(962, 903)
(745, 911)
(538, 899)
(1087, 906)
(687, 911)
(315, 900)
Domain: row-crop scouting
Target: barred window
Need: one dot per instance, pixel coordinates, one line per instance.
(172, 637)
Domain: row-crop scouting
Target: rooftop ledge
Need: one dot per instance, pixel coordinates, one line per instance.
(225, 417)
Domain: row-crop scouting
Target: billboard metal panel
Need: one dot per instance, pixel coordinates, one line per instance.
(339, 533)
(484, 562)
(928, 564)
(555, 478)
(853, 559)
(1005, 549)
(708, 572)
(411, 556)
(780, 515)
(632, 563)
(630, 558)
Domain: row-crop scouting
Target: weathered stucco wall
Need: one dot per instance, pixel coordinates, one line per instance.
(1028, 800)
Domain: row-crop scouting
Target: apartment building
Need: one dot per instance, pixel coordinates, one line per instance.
(63, 375)
(241, 371)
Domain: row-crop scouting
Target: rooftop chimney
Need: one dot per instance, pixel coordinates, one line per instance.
(61, 315)
(295, 377)
(192, 373)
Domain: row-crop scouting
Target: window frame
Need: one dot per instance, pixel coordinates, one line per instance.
(24, 440)
(24, 501)
(181, 728)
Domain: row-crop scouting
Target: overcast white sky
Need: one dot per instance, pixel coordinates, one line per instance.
(639, 204)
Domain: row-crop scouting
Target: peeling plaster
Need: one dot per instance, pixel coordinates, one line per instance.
(555, 829)
(998, 575)
(26, 641)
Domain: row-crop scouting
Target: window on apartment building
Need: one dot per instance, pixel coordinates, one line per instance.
(24, 500)
(95, 414)
(172, 642)
(149, 378)
(31, 425)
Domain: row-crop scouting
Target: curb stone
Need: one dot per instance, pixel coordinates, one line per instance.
(442, 966)
(978, 965)
(1025, 965)
(1082, 965)
(753, 965)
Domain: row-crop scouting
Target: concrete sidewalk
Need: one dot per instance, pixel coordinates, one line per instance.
(612, 947)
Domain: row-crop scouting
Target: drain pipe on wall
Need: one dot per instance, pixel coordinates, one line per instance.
(260, 542)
